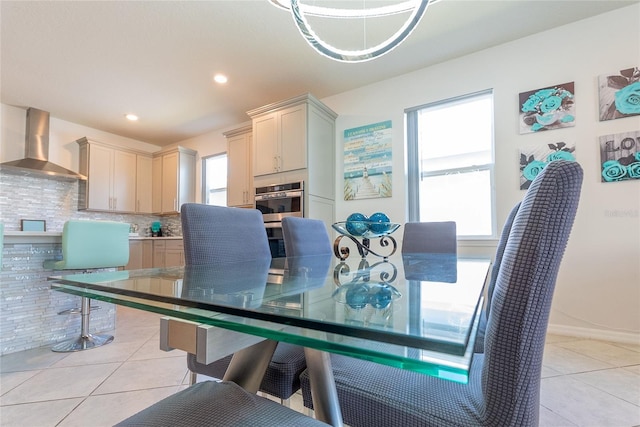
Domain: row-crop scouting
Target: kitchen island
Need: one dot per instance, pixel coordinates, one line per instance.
(29, 309)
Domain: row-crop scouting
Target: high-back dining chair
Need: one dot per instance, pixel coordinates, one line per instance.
(504, 381)
(88, 245)
(219, 234)
(502, 243)
(305, 237)
(430, 237)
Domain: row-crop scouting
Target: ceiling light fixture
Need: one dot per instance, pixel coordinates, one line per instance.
(300, 11)
(131, 117)
(220, 78)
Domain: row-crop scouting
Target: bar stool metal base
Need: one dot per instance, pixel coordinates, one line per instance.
(82, 343)
(85, 341)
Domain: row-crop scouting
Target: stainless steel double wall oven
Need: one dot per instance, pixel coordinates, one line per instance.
(276, 202)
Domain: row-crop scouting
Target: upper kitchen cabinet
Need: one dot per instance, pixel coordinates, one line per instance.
(239, 171)
(289, 135)
(112, 177)
(174, 179)
(143, 184)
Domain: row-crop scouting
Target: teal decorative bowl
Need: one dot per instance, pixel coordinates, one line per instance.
(374, 229)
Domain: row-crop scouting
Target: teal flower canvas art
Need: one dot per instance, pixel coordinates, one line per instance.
(619, 94)
(534, 159)
(620, 157)
(547, 108)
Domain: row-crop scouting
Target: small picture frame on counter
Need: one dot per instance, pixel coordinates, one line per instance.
(33, 225)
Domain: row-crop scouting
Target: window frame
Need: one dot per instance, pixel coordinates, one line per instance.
(415, 174)
(205, 195)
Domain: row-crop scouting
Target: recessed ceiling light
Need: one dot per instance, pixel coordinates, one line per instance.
(220, 78)
(131, 117)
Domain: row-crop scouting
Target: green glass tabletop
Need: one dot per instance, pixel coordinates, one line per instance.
(413, 311)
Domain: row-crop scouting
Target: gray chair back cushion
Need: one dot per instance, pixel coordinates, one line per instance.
(305, 237)
(430, 237)
(482, 325)
(220, 234)
(502, 243)
(517, 323)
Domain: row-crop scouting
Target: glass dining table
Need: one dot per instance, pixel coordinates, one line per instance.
(417, 312)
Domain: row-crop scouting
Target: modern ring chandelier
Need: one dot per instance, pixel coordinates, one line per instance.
(301, 11)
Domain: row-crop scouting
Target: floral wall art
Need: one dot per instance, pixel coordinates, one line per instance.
(619, 94)
(547, 108)
(534, 159)
(620, 156)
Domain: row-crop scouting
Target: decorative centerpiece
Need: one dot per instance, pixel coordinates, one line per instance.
(360, 229)
(366, 293)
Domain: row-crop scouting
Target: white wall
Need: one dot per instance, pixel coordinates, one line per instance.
(598, 289)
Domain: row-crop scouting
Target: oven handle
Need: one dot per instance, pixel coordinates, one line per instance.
(273, 220)
(279, 195)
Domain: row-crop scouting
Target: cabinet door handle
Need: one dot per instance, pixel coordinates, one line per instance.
(175, 204)
(115, 203)
(110, 202)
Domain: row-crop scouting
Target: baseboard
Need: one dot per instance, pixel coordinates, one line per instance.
(599, 334)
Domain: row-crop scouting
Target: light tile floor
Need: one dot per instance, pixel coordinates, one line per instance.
(585, 382)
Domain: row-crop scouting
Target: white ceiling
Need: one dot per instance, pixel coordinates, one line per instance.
(91, 62)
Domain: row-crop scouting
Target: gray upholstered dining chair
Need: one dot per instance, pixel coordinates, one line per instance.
(432, 237)
(220, 404)
(214, 234)
(305, 237)
(497, 262)
(219, 234)
(504, 381)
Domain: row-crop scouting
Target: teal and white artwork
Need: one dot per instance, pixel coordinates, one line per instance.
(547, 108)
(367, 161)
(534, 159)
(620, 156)
(619, 94)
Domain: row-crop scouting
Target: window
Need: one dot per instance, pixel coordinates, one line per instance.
(450, 171)
(214, 173)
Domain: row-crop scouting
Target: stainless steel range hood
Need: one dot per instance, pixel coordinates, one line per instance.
(36, 151)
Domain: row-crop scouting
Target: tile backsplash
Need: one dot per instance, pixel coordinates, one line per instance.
(28, 307)
(56, 201)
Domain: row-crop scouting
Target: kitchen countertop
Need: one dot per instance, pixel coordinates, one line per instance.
(56, 237)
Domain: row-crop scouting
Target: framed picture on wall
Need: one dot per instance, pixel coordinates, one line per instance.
(619, 94)
(367, 161)
(620, 156)
(534, 159)
(547, 108)
(33, 225)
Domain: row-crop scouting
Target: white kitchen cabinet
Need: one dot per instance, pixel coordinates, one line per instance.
(239, 171)
(168, 253)
(174, 180)
(280, 140)
(143, 183)
(159, 250)
(294, 140)
(140, 254)
(174, 253)
(111, 177)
